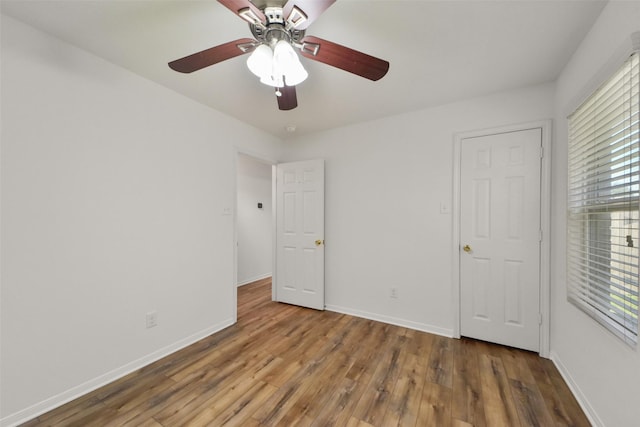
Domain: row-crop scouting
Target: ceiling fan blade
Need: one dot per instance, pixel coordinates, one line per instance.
(311, 9)
(344, 58)
(288, 99)
(249, 11)
(213, 55)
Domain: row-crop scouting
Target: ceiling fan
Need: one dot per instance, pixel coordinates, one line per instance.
(278, 26)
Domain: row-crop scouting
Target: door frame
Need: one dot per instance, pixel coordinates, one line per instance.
(267, 161)
(545, 222)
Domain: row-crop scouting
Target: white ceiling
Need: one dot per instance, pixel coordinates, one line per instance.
(440, 51)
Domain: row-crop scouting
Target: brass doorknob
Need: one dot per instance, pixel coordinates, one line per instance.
(319, 242)
(466, 248)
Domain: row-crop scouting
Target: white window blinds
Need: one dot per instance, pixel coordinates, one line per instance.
(603, 202)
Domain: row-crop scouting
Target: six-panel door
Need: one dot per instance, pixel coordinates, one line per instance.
(500, 238)
(300, 233)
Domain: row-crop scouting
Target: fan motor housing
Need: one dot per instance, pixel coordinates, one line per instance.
(276, 28)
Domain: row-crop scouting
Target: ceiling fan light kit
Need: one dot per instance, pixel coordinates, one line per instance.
(277, 67)
(273, 58)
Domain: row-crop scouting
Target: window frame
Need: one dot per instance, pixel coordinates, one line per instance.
(589, 196)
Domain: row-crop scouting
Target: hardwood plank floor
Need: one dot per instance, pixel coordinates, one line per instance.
(286, 365)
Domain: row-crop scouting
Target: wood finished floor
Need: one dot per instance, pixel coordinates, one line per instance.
(286, 365)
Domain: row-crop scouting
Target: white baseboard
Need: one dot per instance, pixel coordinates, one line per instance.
(577, 392)
(91, 385)
(254, 279)
(392, 320)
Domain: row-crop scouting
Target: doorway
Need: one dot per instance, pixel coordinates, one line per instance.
(280, 228)
(501, 239)
(254, 219)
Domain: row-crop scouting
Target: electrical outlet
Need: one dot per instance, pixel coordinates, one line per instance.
(152, 319)
(394, 293)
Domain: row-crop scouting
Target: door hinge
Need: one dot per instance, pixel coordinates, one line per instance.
(541, 151)
(540, 235)
(539, 318)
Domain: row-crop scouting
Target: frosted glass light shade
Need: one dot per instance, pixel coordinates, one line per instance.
(277, 67)
(296, 74)
(260, 62)
(275, 80)
(286, 62)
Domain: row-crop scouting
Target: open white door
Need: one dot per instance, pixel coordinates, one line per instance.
(299, 277)
(500, 238)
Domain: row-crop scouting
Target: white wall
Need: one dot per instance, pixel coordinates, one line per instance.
(385, 181)
(113, 190)
(254, 226)
(604, 372)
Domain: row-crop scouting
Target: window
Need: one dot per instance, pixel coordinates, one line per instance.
(604, 203)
